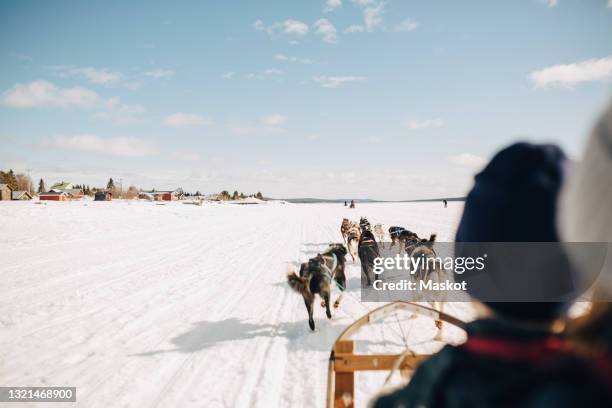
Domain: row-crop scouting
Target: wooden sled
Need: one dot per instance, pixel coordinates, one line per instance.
(343, 363)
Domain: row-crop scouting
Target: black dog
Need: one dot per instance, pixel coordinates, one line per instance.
(368, 251)
(316, 277)
(401, 235)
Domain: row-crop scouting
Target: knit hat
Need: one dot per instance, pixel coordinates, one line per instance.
(514, 199)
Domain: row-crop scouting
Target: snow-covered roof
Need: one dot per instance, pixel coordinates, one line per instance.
(53, 193)
(16, 195)
(62, 186)
(175, 191)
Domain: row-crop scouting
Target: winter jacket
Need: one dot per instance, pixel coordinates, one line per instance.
(502, 365)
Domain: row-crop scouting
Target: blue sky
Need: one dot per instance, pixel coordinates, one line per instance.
(353, 98)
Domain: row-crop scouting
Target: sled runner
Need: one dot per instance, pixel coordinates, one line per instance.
(344, 362)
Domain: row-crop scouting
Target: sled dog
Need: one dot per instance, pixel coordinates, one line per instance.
(379, 232)
(352, 240)
(368, 251)
(317, 277)
(424, 248)
(400, 235)
(344, 228)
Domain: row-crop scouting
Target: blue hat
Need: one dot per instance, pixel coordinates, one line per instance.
(514, 199)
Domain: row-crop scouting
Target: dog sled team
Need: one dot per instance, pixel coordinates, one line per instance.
(360, 240)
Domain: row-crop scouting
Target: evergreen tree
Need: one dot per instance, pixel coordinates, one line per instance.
(10, 179)
(259, 195)
(235, 195)
(110, 186)
(41, 186)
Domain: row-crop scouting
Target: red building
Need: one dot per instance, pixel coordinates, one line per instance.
(54, 196)
(169, 195)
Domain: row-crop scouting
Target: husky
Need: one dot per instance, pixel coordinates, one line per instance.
(317, 276)
(344, 227)
(363, 221)
(400, 235)
(379, 233)
(368, 251)
(429, 270)
(352, 240)
(414, 243)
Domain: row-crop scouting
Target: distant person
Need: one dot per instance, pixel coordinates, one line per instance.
(445, 203)
(511, 351)
(352, 204)
(345, 204)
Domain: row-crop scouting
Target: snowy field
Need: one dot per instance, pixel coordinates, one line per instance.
(144, 305)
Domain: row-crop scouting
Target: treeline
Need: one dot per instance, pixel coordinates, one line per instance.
(118, 191)
(225, 195)
(17, 182)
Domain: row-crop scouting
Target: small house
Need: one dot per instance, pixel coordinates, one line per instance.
(167, 195)
(103, 196)
(54, 196)
(5, 192)
(68, 188)
(21, 195)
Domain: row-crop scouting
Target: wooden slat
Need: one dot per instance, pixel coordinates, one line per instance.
(344, 395)
(348, 363)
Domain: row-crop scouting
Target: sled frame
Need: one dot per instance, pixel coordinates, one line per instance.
(344, 363)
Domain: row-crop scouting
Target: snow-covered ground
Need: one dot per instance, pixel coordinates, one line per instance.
(144, 305)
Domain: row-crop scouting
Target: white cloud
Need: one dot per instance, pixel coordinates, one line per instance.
(259, 25)
(552, 3)
(364, 3)
(289, 26)
(102, 76)
(286, 58)
(273, 119)
(273, 71)
(568, 75)
(121, 113)
(255, 76)
(229, 75)
(326, 30)
(160, 73)
(265, 74)
(180, 119)
(372, 16)
(295, 27)
(355, 28)
(609, 4)
(408, 24)
(427, 123)
(44, 94)
(335, 81)
(282, 57)
(331, 5)
(467, 160)
(114, 146)
(185, 156)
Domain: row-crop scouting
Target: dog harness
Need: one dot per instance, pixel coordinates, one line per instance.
(329, 272)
